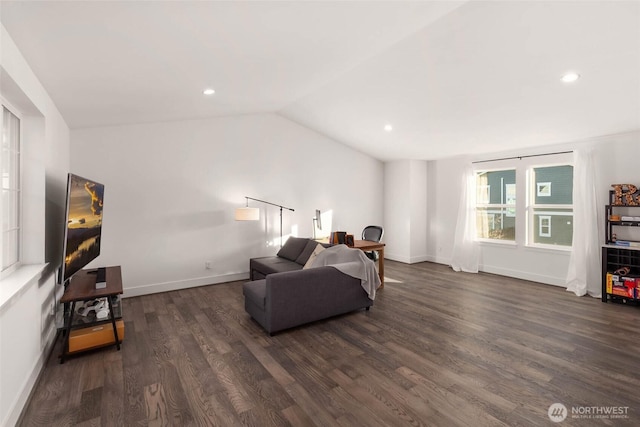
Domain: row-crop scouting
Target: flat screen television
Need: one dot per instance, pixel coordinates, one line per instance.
(83, 225)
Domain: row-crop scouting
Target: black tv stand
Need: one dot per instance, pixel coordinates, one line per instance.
(91, 334)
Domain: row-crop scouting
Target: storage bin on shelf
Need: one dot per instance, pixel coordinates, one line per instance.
(95, 336)
(623, 286)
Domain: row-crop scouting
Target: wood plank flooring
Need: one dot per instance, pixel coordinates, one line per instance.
(437, 349)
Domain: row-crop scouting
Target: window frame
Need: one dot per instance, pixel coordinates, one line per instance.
(540, 189)
(532, 207)
(524, 188)
(541, 226)
(508, 209)
(6, 271)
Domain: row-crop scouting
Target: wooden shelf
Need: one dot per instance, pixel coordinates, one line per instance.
(82, 287)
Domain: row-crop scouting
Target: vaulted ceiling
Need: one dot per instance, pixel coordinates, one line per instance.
(449, 77)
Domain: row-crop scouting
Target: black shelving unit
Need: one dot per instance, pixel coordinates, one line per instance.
(616, 257)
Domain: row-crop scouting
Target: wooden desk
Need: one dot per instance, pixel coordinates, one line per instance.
(367, 245)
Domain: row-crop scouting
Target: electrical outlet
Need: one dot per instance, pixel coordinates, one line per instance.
(207, 265)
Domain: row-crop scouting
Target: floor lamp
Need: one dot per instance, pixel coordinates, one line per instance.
(253, 214)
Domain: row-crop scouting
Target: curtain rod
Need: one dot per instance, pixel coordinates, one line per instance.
(523, 157)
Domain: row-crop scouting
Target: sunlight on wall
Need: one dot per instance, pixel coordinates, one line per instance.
(276, 240)
(327, 220)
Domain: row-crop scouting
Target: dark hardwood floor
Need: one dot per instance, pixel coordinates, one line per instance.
(438, 348)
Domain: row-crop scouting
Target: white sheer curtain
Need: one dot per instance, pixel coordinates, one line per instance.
(466, 252)
(584, 275)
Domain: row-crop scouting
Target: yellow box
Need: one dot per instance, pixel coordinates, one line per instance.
(95, 336)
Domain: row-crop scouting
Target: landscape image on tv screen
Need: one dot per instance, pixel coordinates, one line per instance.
(84, 223)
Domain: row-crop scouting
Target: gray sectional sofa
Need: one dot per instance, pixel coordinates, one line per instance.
(283, 294)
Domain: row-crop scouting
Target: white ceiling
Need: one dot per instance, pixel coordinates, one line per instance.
(451, 77)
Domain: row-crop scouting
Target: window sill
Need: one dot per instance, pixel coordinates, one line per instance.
(14, 285)
(562, 250)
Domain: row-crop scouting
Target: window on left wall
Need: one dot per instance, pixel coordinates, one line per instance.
(10, 203)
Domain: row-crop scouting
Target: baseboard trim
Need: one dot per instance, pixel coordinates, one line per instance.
(406, 259)
(524, 275)
(399, 258)
(438, 260)
(155, 288)
(516, 274)
(416, 259)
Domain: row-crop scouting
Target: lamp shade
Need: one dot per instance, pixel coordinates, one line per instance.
(247, 214)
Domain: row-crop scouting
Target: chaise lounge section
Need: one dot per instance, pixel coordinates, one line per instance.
(292, 257)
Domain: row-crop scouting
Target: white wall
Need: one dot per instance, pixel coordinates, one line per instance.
(171, 190)
(418, 189)
(397, 228)
(405, 210)
(615, 159)
(27, 327)
(444, 179)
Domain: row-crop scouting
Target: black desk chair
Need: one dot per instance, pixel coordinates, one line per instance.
(373, 233)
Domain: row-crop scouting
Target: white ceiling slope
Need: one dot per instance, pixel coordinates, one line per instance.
(451, 77)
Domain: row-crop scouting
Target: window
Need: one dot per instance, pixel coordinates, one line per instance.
(544, 189)
(496, 205)
(10, 201)
(550, 213)
(526, 201)
(544, 226)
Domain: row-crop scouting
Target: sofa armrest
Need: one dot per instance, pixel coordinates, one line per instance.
(297, 297)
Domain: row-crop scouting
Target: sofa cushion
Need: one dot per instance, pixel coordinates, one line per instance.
(306, 252)
(270, 265)
(319, 248)
(256, 292)
(292, 248)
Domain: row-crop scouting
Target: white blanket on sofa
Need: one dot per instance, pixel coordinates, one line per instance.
(352, 262)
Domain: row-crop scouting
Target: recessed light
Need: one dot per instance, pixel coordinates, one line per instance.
(570, 77)
(388, 128)
(208, 91)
